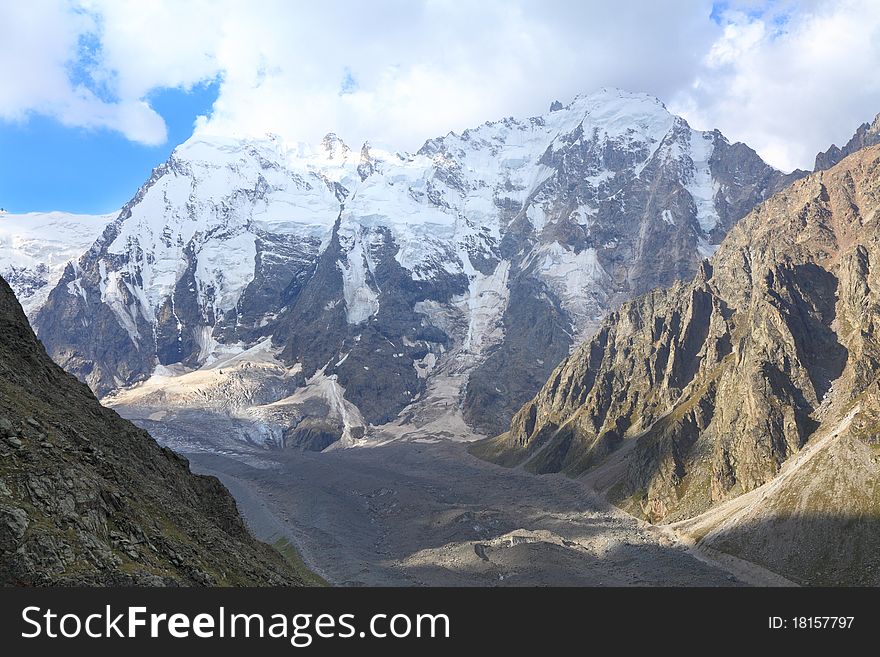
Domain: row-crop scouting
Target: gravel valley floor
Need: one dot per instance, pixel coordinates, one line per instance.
(430, 514)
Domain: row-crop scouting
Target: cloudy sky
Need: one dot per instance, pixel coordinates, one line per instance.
(93, 93)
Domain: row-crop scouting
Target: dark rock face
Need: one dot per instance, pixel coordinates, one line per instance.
(177, 319)
(737, 162)
(87, 498)
(712, 386)
(537, 336)
(374, 358)
(313, 434)
(284, 265)
(84, 336)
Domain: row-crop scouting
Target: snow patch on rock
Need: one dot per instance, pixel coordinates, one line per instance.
(579, 282)
(699, 183)
(484, 305)
(361, 301)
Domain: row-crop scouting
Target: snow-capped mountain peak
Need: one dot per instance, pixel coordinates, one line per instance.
(459, 274)
(334, 148)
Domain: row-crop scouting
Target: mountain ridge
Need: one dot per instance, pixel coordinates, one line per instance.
(458, 275)
(867, 134)
(35, 248)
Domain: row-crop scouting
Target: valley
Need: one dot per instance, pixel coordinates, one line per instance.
(427, 513)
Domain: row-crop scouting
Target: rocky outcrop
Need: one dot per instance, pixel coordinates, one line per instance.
(867, 134)
(690, 397)
(87, 498)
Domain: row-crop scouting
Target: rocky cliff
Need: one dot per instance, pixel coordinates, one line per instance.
(748, 394)
(867, 134)
(86, 498)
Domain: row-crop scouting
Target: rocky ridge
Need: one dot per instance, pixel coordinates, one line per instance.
(36, 247)
(867, 134)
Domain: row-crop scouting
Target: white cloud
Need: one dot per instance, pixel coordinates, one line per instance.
(400, 71)
(790, 81)
(419, 68)
(41, 47)
(422, 69)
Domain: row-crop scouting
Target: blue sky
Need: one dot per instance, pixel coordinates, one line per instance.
(95, 93)
(45, 165)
